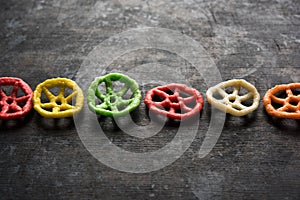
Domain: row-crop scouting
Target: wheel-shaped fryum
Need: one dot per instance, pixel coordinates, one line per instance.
(58, 106)
(113, 103)
(283, 101)
(175, 101)
(234, 103)
(12, 106)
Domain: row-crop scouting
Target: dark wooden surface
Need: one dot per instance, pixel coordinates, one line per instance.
(256, 157)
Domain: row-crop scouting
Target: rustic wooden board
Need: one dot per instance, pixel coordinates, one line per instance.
(256, 157)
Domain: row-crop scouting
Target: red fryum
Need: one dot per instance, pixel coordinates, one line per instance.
(173, 101)
(11, 106)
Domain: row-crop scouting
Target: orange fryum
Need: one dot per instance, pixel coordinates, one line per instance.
(290, 105)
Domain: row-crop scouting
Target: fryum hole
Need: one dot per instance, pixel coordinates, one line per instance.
(117, 85)
(20, 92)
(7, 89)
(290, 110)
(173, 99)
(63, 109)
(58, 102)
(121, 107)
(157, 98)
(22, 104)
(184, 94)
(98, 101)
(281, 94)
(169, 92)
(54, 90)
(167, 108)
(191, 104)
(48, 109)
(11, 111)
(247, 103)
(296, 91)
(294, 103)
(68, 91)
(237, 107)
(217, 96)
(229, 90)
(178, 111)
(128, 94)
(44, 99)
(231, 99)
(10, 101)
(276, 105)
(102, 88)
(112, 99)
(242, 91)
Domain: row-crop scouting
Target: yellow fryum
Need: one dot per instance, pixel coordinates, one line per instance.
(233, 103)
(59, 105)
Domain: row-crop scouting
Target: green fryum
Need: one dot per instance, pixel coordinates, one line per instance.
(112, 102)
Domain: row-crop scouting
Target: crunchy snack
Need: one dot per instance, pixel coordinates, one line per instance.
(12, 106)
(287, 106)
(234, 103)
(58, 106)
(175, 101)
(113, 103)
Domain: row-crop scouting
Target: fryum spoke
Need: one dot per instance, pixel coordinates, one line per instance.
(56, 109)
(284, 108)
(70, 97)
(189, 99)
(102, 106)
(61, 92)
(47, 105)
(108, 85)
(48, 94)
(239, 106)
(66, 107)
(176, 92)
(246, 97)
(99, 95)
(161, 93)
(123, 91)
(236, 90)
(126, 101)
(172, 110)
(15, 90)
(185, 108)
(158, 104)
(289, 92)
(2, 94)
(22, 99)
(16, 108)
(277, 100)
(114, 108)
(5, 109)
(222, 92)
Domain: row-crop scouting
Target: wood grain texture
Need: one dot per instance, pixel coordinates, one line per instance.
(256, 157)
